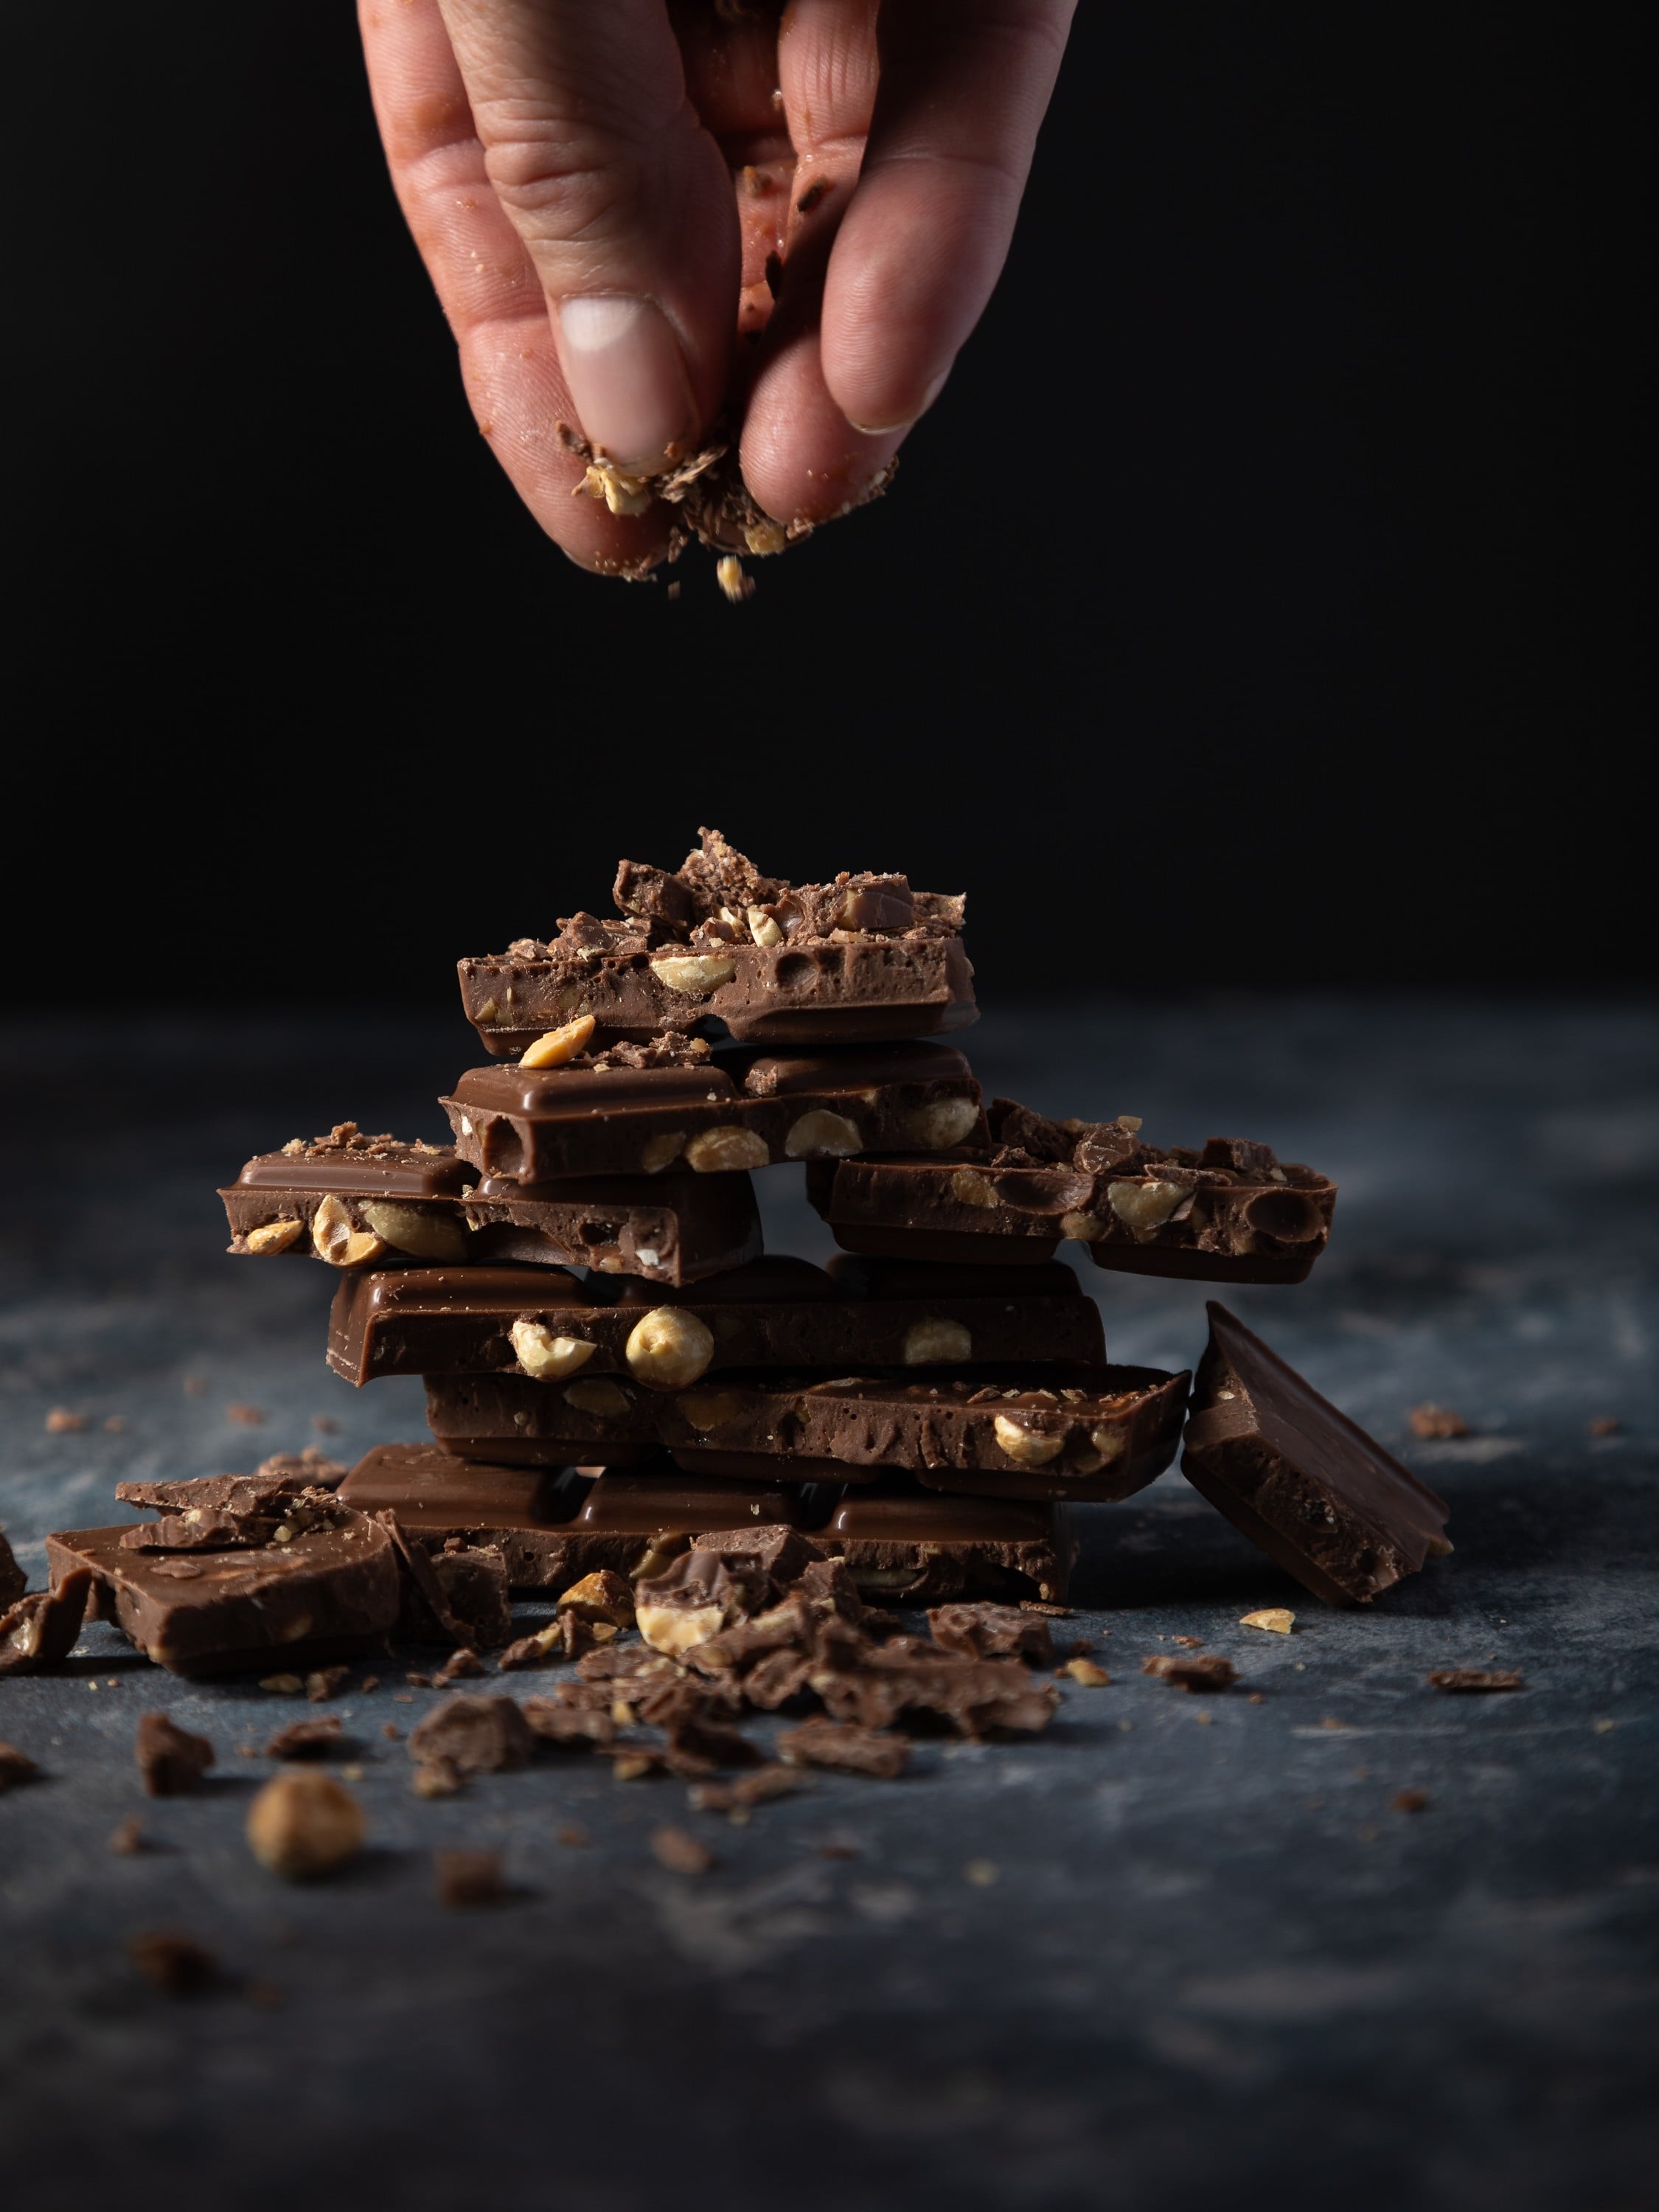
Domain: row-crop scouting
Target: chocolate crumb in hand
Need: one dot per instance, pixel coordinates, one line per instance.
(170, 1760)
(469, 1878)
(174, 1963)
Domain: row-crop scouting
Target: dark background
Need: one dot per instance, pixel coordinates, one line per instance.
(1258, 603)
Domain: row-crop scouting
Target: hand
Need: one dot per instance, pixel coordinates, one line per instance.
(598, 187)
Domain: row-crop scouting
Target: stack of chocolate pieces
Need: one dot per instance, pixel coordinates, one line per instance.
(614, 1369)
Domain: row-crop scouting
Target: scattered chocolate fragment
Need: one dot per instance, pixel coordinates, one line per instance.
(127, 1837)
(569, 1725)
(1475, 1677)
(1086, 1674)
(469, 1878)
(1299, 1479)
(324, 1683)
(992, 1631)
(1604, 1424)
(303, 1823)
(537, 1649)
(437, 1777)
(831, 1743)
(38, 1633)
(60, 1422)
(175, 1964)
(480, 1735)
(1409, 1801)
(605, 1597)
(573, 1837)
(13, 1581)
(458, 1666)
(170, 1760)
(681, 1852)
(316, 1739)
(16, 1766)
(1203, 1671)
(1437, 1421)
(737, 1800)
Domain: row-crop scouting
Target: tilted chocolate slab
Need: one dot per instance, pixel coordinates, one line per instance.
(331, 1593)
(1088, 1433)
(1299, 1479)
(550, 1531)
(861, 959)
(775, 1312)
(727, 1112)
(357, 1211)
(903, 1545)
(1230, 1213)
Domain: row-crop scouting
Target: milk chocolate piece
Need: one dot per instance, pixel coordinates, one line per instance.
(38, 1633)
(331, 1593)
(1299, 1479)
(906, 1546)
(993, 1631)
(13, 1581)
(549, 1533)
(417, 1202)
(1230, 1213)
(478, 1735)
(170, 1759)
(775, 1312)
(713, 1116)
(1078, 1432)
(863, 958)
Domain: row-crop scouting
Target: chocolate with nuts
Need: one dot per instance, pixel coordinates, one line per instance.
(772, 1312)
(863, 958)
(1085, 1432)
(1230, 1213)
(1299, 1479)
(906, 1546)
(714, 1115)
(38, 1633)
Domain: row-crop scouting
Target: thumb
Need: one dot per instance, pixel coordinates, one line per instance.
(625, 205)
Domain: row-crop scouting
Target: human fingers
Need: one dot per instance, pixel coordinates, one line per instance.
(487, 285)
(623, 201)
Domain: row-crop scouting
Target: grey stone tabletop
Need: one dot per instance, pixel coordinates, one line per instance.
(1177, 1951)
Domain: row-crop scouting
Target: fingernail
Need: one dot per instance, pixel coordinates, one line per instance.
(626, 378)
(892, 429)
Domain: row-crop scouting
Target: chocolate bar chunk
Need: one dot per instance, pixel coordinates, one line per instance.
(38, 1633)
(711, 1115)
(549, 1533)
(863, 958)
(1230, 1213)
(358, 1208)
(906, 1546)
(1056, 1432)
(330, 1592)
(775, 1312)
(1301, 1480)
(13, 1581)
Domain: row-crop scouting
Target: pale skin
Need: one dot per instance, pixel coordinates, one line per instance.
(597, 188)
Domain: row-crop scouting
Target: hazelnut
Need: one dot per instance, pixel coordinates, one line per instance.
(823, 1135)
(1145, 1204)
(1086, 1674)
(668, 1348)
(273, 1237)
(334, 1239)
(969, 1187)
(728, 574)
(407, 1229)
(694, 971)
(711, 1409)
(762, 928)
(1276, 1619)
(931, 1342)
(1026, 1447)
(716, 1151)
(765, 536)
(659, 1151)
(559, 1045)
(621, 494)
(941, 1122)
(606, 1401)
(1108, 1442)
(676, 1628)
(304, 1824)
(1086, 1227)
(549, 1359)
(488, 1012)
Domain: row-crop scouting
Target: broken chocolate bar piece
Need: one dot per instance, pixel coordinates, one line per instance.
(38, 1633)
(1300, 1480)
(359, 1209)
(1083, 1432)
(1230, 1213)
(715, 1115)
(772, 1312)
(170, 1760)
(13, 1581)
(906, 1546)
(330, 1592)
(861, 959)
(549, 1533)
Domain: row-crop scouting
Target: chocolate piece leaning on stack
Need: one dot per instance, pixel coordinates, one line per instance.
(359, 1201)
(861, 958)
(772, 1312)
(1230, 1213)
(1299, 1479)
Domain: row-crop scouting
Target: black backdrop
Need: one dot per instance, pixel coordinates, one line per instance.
(1256, 605)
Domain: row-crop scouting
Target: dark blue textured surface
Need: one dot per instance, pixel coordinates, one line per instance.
(1214, 1966)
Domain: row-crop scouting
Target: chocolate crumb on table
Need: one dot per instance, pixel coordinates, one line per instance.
(175, 1964)
(1409, 1801)
(306, 1740)
(1206, 1671)
(1604, 1424)
(170, 1760)
(1474, 1678)
(1437, 1423)
(681, 1852)
(127, 1839)
(466, 1878)
(843, 1744)
(16, 1766)
(13, 1581)
(478, 1735)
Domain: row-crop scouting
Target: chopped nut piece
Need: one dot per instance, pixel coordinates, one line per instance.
(1437, 1421)
(1145, 1204)
(681, 1852)
(729, 576)
(1278, 1620)
(621, 494)
(763, 929)
(1026, 1447)
(1208, 1671)
(669, 1348)
(725, 1150)
(334, 1239)
(423, 1236)
(170, 1760)
(1086, 1673)
(660, 1151)
(606, 1401)
(694, 971)
(174, 1963)
(1475, 1677)
(469, 1878)
(547, 1357)
(935, 1341)
(941, 1123)
(282, 1686)
(1086, 1228)
(559, 1045)
(822, 1136)
(304, 1824)
(127, 1839)
(969, 1187)
(273, 1237)
(601, 1597)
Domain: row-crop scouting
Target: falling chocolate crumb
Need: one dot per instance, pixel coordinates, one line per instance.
(1437, 1422)
(681, 1852)
(174, 1963)
(1408, 1800)
(128, 1840)
(1474, 1678)
(246, 1417)
(1209, 1672)
(306, 1740)
(469, 1878)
